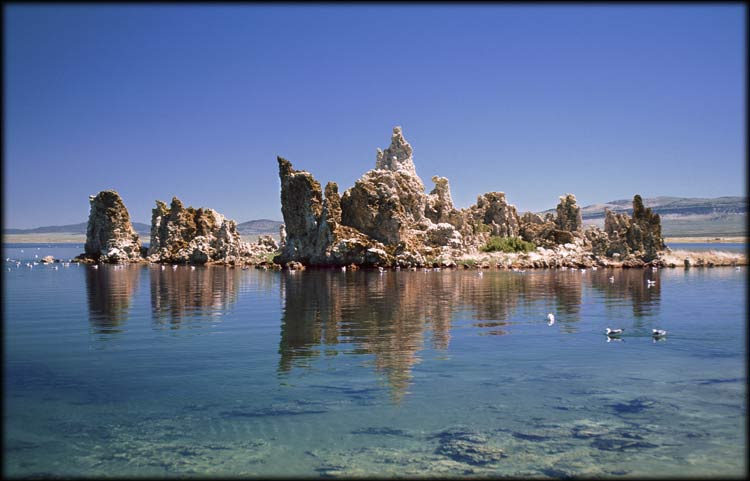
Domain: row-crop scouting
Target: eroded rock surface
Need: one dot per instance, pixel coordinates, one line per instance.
(182, 234)
(110, 236)
(387, 218)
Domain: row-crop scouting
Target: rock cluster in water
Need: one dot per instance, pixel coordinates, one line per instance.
(179, 234)
(386, 219)
(182, 234)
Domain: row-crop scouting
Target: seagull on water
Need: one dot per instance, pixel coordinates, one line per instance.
(95, 266)
(343, 268)
(657, 333)
(162, 267)
(612, 279)
(174, 267)
(380, 269)
(551, 318)
(480, 274)
(614, 332)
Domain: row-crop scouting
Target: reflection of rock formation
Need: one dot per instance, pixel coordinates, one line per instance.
(630, 284)
(382, 315)
(110, 289)
(182, 293)
(389, 315)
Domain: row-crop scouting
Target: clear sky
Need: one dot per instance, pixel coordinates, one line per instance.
(196, 101)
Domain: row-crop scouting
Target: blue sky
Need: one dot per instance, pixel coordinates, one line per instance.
(196, 101)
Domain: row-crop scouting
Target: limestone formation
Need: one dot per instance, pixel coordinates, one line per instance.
(110, 236)
(387, 218)
(537, 229)
(439, 205)
(639, 234)
(182, 234)
(398, 156)
(314, 231)
(569, 214)
(493, 210)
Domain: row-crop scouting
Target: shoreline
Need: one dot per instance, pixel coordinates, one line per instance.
(62, 238)
(706, 240)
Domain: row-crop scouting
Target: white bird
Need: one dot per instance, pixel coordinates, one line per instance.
(650, 282)
(614, 332)
(480, 274)
(593, 268)
(174, 267)
(583, 271)
(95, 266)
(55, 267)
(380, 269)
(551, 318)
(654, 268)
(192, 268)
(162, 267)
(658, 333)
(737, 268)
(612, 279)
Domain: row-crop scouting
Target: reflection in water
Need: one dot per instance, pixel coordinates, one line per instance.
(630, 286)
(178, 294)
(388, 315)
(110, 288)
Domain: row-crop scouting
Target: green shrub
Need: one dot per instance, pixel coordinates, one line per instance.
(508, 244)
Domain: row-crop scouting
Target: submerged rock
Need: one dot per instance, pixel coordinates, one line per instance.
(110, 236)
(182, 234)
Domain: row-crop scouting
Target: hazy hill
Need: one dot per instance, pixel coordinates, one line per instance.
(259, 227)
(682, 216)
(141, 228)
(252, 227)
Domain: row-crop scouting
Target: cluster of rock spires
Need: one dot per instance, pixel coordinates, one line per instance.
(385, 219)
(179, 234)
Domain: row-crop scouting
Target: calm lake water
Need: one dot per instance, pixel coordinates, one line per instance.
(139, 371)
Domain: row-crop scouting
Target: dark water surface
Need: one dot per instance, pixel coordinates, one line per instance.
(139, 371)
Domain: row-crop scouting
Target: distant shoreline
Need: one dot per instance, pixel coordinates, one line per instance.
(61, 238)
(706, 239)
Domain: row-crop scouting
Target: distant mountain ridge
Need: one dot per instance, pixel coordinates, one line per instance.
(139, 227)
(259, 227)
(251, 227)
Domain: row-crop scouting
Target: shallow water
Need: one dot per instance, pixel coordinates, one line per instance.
(709, 246)
(135, 370)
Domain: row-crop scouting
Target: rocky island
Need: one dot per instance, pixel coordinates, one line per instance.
(386, 219)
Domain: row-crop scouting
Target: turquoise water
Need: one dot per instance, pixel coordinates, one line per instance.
(139, 371)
